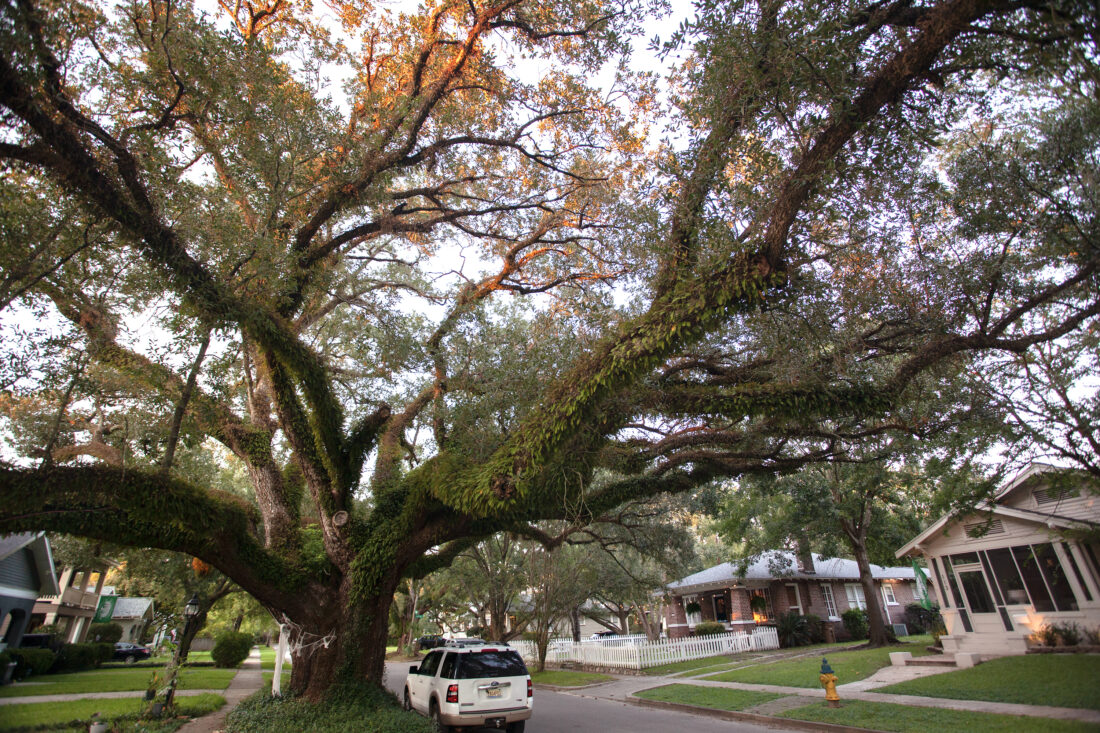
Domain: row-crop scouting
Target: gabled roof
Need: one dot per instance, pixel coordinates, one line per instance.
(131, 607)
(39, 548)
(782, 564)
(998, 509)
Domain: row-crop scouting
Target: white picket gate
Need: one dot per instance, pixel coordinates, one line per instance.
(642, 653)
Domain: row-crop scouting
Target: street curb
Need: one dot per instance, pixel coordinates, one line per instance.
(768, 720)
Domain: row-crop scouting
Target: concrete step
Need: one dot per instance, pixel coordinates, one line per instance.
(933, 661)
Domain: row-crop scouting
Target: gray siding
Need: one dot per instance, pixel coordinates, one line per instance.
(17, 571)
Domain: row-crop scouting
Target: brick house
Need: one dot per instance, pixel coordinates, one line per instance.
(825, 587)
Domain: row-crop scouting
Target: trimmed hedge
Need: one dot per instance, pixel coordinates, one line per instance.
(231, 649)
(77, 657)
(706, 628)
(109, 632)
(32, 661)
(365, 710)
(855, 623)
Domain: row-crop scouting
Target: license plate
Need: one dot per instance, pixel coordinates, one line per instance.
(495, 692)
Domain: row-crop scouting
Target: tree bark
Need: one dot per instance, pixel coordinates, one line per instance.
(877, 634)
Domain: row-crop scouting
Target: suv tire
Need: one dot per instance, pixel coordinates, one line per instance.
(406, 703)
(438, 726)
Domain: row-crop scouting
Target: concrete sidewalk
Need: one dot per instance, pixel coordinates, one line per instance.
(248, 680)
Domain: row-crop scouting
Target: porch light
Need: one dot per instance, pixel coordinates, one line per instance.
(191, 610)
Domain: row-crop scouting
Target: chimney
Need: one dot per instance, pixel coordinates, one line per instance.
(803, 557)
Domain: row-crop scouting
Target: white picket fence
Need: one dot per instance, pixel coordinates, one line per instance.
(642, 653)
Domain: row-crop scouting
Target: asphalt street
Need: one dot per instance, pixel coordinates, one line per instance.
(562, 712)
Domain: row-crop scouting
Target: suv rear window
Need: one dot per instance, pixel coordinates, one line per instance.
(477, 665)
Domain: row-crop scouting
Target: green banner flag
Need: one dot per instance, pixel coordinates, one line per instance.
(105, 610)
(922, 586)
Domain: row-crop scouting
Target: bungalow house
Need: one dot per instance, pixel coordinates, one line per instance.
(1027, 559)
(26, 572)
(825, 587)
(72, 604)
(134, 616)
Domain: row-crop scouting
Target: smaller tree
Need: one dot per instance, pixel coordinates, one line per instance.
(559, 580)
(865, 509)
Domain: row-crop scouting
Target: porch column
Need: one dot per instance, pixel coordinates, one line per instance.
(1086, 570)
(1071, 576)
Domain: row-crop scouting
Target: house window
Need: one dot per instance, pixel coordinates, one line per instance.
(856, 599)
(794, 599)
(830, 602)
(1055, 574)
(888, 594)
(692, 611)
(1007, 576)
(977, 593)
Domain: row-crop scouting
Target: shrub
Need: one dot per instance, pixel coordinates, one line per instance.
(923, 620)
(1046, 635)
(109, 632)
(815, 625)
(32, 661)
(855, 623)
(1069, 633)
(1092, 636)
(104, 650)
(344, 709)
(76, 657)
(792, 630)
(231, 649)
(707, 628)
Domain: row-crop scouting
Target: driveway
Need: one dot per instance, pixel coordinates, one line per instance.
(586, 712)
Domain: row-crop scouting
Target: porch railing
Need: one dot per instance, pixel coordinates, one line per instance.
(643, 654)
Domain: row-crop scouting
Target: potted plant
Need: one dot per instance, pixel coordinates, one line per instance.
(759, 605)
(692, 607)
(97, 726)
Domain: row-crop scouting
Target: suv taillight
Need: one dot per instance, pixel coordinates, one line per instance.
(452, 693)
(530, 689)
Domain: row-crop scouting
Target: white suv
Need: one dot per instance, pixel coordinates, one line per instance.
(470, 682)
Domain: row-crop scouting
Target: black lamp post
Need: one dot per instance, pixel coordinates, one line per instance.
(190, 611)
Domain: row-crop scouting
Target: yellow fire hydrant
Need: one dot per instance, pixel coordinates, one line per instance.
(828, 681)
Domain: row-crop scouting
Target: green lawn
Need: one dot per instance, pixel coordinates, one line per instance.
(908, 719)
(116, 680)
(707, 697)
(267, 658)
(78, 713)
(567, 678)
(849, 666)
(271, 674)
(1071, 681)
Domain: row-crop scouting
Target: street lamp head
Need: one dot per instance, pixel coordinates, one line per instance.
(192, 608)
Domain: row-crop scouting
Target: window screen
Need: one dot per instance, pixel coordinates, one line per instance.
(1055, 574)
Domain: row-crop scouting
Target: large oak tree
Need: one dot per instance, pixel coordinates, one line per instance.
(301, 278)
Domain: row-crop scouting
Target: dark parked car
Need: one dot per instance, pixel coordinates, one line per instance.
(130, 653)
(430, 641)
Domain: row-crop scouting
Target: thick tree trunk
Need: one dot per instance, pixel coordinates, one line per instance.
(348, 646)
(877, 635)
(575, 621)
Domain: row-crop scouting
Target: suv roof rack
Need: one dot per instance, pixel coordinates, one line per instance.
(465, 642)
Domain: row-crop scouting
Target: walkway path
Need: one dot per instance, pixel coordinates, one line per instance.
(248, 680)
